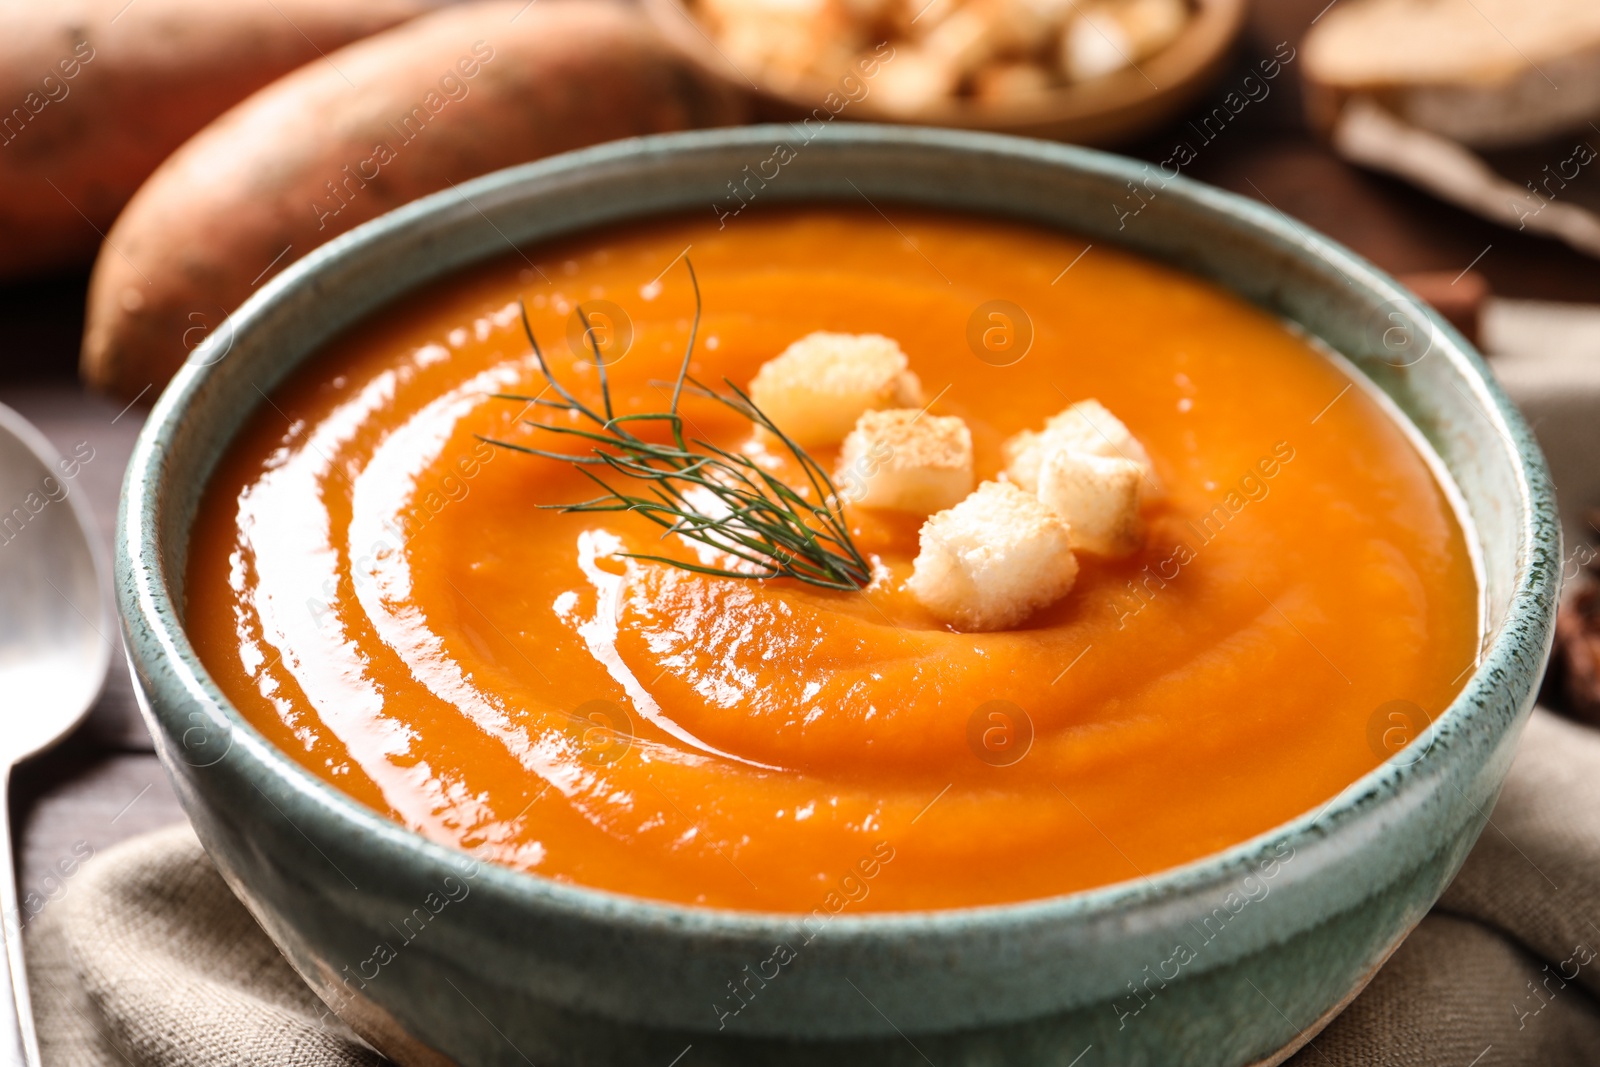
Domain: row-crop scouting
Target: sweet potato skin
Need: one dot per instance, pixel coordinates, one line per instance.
(94, 94)
(441, 99)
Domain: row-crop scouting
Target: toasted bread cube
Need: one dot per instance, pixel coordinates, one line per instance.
(787, 46)
(1151, 25)
(1108, 37)
(914, 82)
(788, 42)
(1084, 427)
(1098, 496)
(1011, 83)
(906, 460)
(1028, 26)
(966, 40)
(1050, 13)
(915, 18)
(993, 559)
(772, 10)
(1093, 45)
(865, 12)
(817, 388)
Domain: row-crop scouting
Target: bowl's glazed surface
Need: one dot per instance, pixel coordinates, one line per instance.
(1230, 960)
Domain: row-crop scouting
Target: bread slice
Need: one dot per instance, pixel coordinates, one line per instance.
(1084, 427)
(1485, 73)
(907, 460)
(993, 559)
(819, 386)
(1098, 497)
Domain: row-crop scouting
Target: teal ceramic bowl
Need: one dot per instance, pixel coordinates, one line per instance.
(519, 969)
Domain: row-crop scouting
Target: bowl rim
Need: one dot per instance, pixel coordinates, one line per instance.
(155, 637)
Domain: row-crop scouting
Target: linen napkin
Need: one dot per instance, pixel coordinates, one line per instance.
(151, 962)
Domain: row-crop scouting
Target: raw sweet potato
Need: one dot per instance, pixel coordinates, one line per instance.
(441, 99)
(94, 94)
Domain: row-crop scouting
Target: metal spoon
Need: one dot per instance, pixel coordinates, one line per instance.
(55, 646)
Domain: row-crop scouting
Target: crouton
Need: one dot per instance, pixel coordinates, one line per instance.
(817, 388)
(1106, 38)
(1084, 427)
(866, 12)
(1151, 25)
(993, 559)
(906, 460)
(1003, 84)
(1093, 45)
(913, 19)
(1029, 24)
(916, 81)
(788, 40)
(1098, 496)
(966, 40)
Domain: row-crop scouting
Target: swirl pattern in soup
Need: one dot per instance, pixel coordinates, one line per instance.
(383, 596)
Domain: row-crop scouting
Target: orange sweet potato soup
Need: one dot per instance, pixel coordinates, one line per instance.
(388, 597)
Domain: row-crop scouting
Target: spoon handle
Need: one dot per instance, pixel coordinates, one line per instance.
(18, 1045)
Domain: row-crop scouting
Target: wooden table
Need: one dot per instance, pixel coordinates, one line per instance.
(104, 784)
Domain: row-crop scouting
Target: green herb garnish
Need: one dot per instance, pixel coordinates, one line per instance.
(698, 490)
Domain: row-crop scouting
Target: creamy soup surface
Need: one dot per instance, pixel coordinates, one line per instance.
(380, 592)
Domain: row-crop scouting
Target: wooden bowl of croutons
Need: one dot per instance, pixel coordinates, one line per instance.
(1087, 71)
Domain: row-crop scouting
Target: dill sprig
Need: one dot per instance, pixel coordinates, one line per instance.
(697, 489)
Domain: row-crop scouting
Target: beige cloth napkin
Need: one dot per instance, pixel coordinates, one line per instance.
(151, 962)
